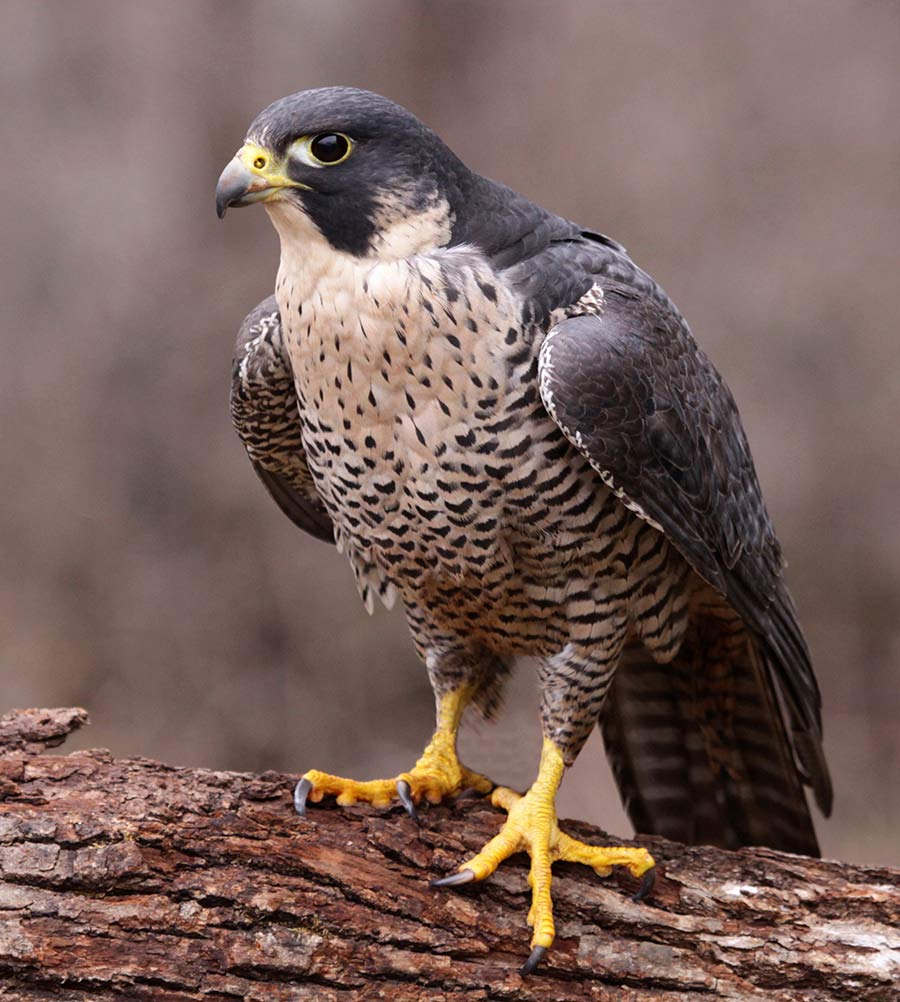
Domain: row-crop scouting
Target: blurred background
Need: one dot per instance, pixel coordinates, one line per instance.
(748, 155)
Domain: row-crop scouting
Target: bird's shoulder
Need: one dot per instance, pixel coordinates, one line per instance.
(550, 262)
(258, 347)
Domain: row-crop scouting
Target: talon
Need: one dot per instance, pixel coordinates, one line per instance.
(647, 885)
(454, 879)
(301, 792)
(405, 795)
(532, 827)
(537, 955)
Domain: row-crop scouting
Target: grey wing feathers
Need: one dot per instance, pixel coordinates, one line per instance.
(634, 393)
(265, 416)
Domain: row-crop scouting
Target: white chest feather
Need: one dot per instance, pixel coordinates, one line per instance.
(394, 360)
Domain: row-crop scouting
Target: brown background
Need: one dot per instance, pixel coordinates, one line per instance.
(747, 154)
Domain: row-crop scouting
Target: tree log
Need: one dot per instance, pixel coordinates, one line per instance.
(129, 879)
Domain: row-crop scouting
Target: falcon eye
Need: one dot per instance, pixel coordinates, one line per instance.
(329, 147)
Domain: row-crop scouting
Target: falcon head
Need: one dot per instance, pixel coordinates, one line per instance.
(351, 167)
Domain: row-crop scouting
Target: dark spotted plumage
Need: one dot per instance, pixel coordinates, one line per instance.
(264, 412)
(506, 423)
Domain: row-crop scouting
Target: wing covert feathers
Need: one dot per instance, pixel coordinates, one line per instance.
(633, 392)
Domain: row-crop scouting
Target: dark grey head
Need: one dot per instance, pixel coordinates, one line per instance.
(355, 162)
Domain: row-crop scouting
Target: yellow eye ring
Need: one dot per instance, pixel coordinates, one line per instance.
(327, 149)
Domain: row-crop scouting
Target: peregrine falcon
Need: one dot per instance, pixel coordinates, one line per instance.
(503, 422)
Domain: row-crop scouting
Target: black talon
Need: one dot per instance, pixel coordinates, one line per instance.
(470, 793)
(537, 955)
(405, 795)
(301, 792)
(646, 885)
(462, 877)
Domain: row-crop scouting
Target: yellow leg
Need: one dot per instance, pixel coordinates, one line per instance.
(436, 775)
(532, 827)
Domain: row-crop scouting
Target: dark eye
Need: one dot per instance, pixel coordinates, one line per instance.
(329, 147)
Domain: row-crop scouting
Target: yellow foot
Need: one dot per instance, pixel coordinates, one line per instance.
(437, 775)
(532, 827)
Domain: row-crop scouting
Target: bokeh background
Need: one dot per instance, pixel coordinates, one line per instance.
(747, 154)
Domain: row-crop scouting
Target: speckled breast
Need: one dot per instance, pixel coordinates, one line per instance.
(446, 479)
(421, 414)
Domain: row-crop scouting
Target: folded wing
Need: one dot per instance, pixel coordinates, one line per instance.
(632, 391)
(265, 416)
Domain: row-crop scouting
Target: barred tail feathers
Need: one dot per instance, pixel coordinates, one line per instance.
(698, 746)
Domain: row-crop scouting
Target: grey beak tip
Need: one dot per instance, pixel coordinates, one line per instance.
(232, 186)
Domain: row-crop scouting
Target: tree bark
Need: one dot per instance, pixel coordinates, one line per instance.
(129, 879)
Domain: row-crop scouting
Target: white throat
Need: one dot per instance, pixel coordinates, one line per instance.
(307, 258)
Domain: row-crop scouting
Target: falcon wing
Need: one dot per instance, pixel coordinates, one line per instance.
(265, 416)
(632, 391)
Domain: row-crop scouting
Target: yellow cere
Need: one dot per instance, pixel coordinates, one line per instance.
(267, 167)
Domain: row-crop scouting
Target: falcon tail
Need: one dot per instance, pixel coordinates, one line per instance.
(698, 747)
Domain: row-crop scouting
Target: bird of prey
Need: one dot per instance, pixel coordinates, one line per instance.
(501, 420)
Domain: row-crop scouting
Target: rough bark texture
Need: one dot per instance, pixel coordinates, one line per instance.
(128, 879)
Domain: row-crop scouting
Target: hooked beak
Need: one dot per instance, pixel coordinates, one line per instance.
(253, 175)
